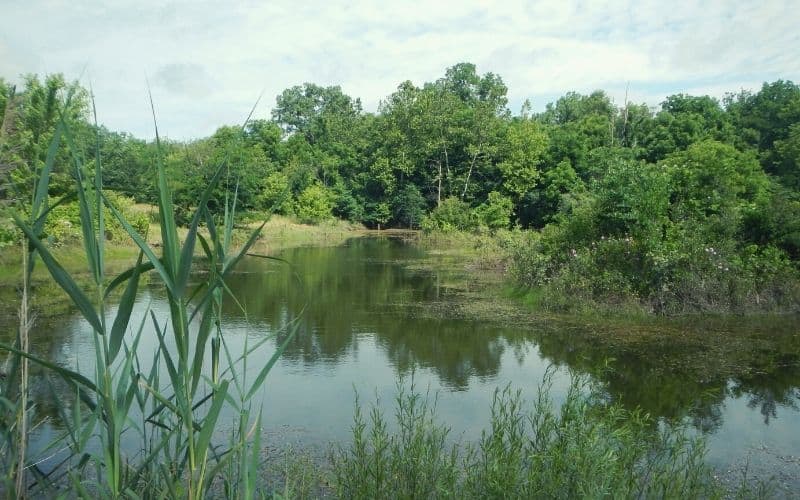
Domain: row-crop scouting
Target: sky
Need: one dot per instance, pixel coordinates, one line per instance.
(208, 62)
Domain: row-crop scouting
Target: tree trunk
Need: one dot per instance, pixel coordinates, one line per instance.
(439, 192)
(469, 173)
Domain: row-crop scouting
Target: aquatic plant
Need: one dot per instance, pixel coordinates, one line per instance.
(582, 448)
(173, 405)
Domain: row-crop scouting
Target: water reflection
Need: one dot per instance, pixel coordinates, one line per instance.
(369, 317)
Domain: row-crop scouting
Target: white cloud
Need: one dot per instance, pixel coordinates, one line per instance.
(207, 61)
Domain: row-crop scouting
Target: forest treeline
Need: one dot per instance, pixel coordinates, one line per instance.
(694, 203)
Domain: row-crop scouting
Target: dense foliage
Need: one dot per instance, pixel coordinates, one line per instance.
(695, 203)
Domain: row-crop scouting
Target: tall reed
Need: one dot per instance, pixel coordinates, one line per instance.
(15, 391)
(177, 402)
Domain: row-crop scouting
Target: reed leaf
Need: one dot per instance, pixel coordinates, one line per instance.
(62, 277)
(124, 311)
(210, 419)
(188, 246)
(68, 375)
(262, 374)
(126, 275)
(156, 262)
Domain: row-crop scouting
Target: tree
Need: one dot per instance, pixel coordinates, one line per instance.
(685, 120)
(766, 118)
(29, 118)
(309, 109)
(788, 152)
(576, 124)
(524, 149)
(408, 207)
(712, 184)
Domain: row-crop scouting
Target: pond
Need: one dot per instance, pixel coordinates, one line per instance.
(376, 309)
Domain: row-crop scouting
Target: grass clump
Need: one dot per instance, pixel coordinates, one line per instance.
(584, 448)
(414, 462)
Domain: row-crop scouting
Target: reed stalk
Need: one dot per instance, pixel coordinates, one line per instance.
(179, 413)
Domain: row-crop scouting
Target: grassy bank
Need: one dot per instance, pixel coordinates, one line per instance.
(279, 233)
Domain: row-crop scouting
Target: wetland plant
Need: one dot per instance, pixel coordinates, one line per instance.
(584, 448)
(171, 402)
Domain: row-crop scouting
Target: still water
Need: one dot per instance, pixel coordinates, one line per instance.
(372, 313)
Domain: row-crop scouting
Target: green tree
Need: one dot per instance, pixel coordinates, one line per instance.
(683, 121)
(524, 149)
(29, 118)
(577, 124)
(766, 118)
(408, 207)
(712, 184)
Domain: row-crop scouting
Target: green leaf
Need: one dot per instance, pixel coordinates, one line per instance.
(210, 420)
(200, 347)
(144, 247)
(71, 377)
(124, 312)
(228, 266)
(275, 356)
(90, 241)
(61, 277)
(188, 246)
(126, 275)
(43, 182)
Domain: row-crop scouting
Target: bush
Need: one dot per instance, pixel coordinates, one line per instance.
(451, 215)
(63, 222)
(314, 204)
(586, 448)
(9, 234)
(496, 212)
(408, 207)
(276, 195)
(414, 463)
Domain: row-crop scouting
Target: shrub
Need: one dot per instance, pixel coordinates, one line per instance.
(64, 222)
(408, 207)
(496, 212)
(276, 194)
(314, 204)
(9, 234)
(586, 448)
(416, 462)
(451, 215)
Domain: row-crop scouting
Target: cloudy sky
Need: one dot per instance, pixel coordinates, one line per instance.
(207, 62)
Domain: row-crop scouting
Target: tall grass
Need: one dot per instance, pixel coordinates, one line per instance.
(584, 448)
(173, 405)
(14, 418)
